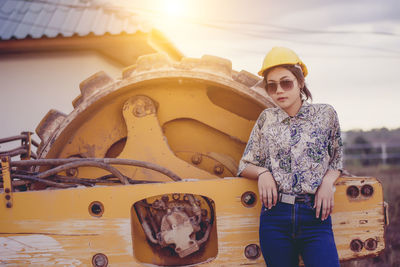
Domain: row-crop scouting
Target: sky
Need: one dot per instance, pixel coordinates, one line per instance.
(351, 48)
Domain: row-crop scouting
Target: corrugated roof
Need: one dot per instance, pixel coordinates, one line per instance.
(20, 19)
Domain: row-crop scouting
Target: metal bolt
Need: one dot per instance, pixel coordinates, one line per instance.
(4, 159)
(156, 204)
(353, 191)
(370, 244)
(9, 204)
(8, 197)
(252, 251)
(218, 169)
(99, 260)
(356, 245)
(367, 190)
(96, 209)
(139, 111)
(165, 198)
(249, 199)
(142, 106)
(197, 158)
(7, 190)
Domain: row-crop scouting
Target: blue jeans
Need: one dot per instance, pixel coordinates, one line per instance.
(287, 231)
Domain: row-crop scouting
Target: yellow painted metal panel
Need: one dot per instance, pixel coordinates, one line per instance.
(63, 231)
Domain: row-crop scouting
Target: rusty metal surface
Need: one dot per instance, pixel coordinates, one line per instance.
(181, 222)
(12, 138)
(14, 152)
(27, 144)
(108, 161)
(81, 163)
(49, 124)
(7, 183)
(44, 181)
(24, 150)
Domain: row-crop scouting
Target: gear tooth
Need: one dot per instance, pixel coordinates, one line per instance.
(246, 78)
(128, 71)
(153, 62)
(254, 82)
(94, 82)
(189, 63)
(216, 65)
(49, 123)
(77, 101)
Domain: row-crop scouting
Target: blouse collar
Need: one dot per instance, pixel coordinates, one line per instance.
(303, 113)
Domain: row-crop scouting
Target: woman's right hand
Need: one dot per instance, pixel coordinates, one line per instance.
(267, 190)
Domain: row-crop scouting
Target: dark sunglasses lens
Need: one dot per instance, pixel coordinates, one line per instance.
(286, 84)
(271, 88)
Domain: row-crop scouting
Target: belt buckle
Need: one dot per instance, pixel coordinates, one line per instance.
(289, 199)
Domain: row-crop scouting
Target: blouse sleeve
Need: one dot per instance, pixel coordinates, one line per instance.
(253, 153)
(336, 146)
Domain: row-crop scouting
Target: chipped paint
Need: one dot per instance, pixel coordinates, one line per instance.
(33, 249)
(70, 234)
(124, 231)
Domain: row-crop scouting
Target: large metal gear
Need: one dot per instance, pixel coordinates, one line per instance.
(192, 116)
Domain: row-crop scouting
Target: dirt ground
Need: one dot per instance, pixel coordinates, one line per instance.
(390, 179)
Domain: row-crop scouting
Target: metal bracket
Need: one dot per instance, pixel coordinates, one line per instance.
(386, 210)
(26, 143)
(146, 140)
(7, 184)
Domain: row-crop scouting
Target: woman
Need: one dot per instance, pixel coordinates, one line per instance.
(295, 152)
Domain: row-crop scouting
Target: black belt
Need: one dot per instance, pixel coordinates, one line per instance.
(291, 199)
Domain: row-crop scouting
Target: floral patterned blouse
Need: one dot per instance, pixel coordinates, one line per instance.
(298, 150)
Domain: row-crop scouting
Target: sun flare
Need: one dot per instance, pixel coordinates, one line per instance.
(174, 8)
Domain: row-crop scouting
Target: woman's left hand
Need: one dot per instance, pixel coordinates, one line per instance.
(324, 199)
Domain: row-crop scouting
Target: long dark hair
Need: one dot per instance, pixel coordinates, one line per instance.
(298, 73)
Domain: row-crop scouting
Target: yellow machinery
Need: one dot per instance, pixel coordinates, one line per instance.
(142, 172)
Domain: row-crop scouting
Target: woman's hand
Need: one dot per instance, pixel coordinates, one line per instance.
(266, 184)
(324, 199)
(324, 195)
(267, 190)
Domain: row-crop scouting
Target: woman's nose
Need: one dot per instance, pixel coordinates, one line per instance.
(279, 89)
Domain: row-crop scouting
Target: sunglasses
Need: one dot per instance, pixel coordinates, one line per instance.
(286, 85)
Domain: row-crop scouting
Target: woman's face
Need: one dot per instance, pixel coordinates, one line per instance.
(287, 98)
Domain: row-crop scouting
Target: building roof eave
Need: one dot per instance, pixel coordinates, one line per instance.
(124, 48)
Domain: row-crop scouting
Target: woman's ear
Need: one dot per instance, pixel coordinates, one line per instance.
(302, 84)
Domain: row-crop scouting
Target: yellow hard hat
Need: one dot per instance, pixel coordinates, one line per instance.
(282, 56)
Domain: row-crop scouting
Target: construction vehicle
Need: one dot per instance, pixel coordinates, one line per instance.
(142, 172)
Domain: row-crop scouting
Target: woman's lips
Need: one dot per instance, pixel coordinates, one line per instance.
(282, 98)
